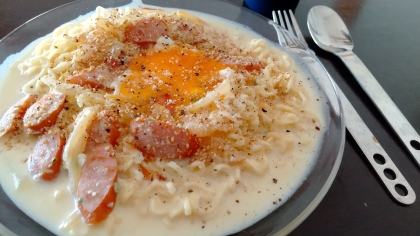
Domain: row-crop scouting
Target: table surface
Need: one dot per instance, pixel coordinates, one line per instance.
(385, 33)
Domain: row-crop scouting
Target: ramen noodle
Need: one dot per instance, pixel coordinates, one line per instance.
(161, 113)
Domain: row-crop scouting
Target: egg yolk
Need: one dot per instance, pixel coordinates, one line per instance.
(178, 76)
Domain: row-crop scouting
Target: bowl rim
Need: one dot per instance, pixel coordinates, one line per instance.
(324, 189)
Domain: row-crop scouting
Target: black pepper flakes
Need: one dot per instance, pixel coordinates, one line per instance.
(275, 181)
(264, 110)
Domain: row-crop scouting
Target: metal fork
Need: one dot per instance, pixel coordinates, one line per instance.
(294, 30)
(384, 167)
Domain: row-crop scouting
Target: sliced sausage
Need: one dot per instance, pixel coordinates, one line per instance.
(94, 77)
(166, 101)
(43, 113)
(95, 190)
(45, 160)
(157, 139)
(146, 31)
(114, 63)
(12, 117)
(103, 129)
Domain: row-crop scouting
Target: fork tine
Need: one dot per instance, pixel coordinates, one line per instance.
(275, 19)
(289, 26)
(296, 28)
(281, 19)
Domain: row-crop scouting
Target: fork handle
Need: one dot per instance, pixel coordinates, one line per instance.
(383, 102)
(371, 147)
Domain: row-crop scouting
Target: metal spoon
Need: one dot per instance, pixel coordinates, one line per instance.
(331, 34)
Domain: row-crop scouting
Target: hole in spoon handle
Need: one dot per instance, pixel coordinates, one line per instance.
(415, 144)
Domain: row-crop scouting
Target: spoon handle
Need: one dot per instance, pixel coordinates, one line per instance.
(383, 102)
(372, 149)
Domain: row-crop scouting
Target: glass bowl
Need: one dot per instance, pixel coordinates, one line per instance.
(287, 216)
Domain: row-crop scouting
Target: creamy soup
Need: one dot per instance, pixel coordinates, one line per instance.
(241, 125)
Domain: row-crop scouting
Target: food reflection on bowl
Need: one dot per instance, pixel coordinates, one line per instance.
(225, 141)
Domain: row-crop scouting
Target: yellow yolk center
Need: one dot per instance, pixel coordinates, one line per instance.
(176, 76)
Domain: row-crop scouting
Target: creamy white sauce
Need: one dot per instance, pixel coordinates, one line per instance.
(51, 205)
